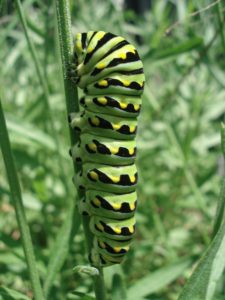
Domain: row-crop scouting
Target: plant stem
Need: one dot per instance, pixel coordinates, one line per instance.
(219, 217)
(19, 208)
(65, 40)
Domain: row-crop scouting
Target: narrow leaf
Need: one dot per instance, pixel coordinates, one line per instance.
(157, 280)
(176, 50)
(10, 294)
(118, 288)
(60, 249)
(202, 282)
(80, 296)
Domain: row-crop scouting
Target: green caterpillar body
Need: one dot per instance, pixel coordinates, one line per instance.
(110, 72)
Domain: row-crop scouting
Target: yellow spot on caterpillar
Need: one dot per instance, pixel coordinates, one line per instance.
(130, 48)
(101, 65)
(100, 34)
(117, 230)
(114, 150)
(126, 82)
(103, 82)
(95, 121)
(99, 226)
(132, 206)
(132, 178)
(131, 229)
(123, 55)
(90, 49)
(115, 179)
(78, 46)
(116, 206)
(131, 151)
(132, 128)
(102, 100)
(116, 249)
(93, 175)
(92, 146)
(96, 202)
(123, 105)
(136, 107)
(116, 126)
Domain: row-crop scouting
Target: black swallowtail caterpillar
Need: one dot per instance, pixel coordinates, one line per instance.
(110, 72)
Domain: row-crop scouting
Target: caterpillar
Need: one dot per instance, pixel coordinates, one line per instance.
(109, 71)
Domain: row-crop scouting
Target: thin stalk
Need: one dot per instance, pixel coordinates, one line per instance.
(71, 95)
(219, 217)
(190, 179)
(19, 208)
(221, 24)
(43, 84)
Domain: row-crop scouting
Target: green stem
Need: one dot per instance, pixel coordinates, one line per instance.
(65, 39)
(19, 208)
(219, 218)
(221, 24)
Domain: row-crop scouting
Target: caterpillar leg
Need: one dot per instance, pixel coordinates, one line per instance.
(78, 181)
(76, 120)
(82, 208)
(72, 73)
(76, 153)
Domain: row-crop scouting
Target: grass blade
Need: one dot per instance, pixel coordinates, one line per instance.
(157, 280)
(61, 247)
(221, 203)
(19, 208)
(10, 294)
(202, 282)
(186, 46)
(118, 288)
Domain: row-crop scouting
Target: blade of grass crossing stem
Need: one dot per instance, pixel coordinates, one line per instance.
(202, 283)
(65, 41)
(221, 202)
(60, 248)
(19, 208)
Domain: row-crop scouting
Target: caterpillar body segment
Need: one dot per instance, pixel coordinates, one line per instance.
(117, 84)
(114, 206)
(105, 125)
(107, 178)
(115, 105)
(109, 71)
(103, 150)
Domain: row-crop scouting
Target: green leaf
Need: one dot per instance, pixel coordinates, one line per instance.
(10, 294)
(118, 288)
(82, 296)
(60, 249)
(157, 280)
(203, 281)
(29, 134)
(186, 46)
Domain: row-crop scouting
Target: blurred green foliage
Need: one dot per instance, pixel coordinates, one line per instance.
(179, 157)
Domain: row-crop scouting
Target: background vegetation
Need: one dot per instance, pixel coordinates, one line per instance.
(179, 155)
